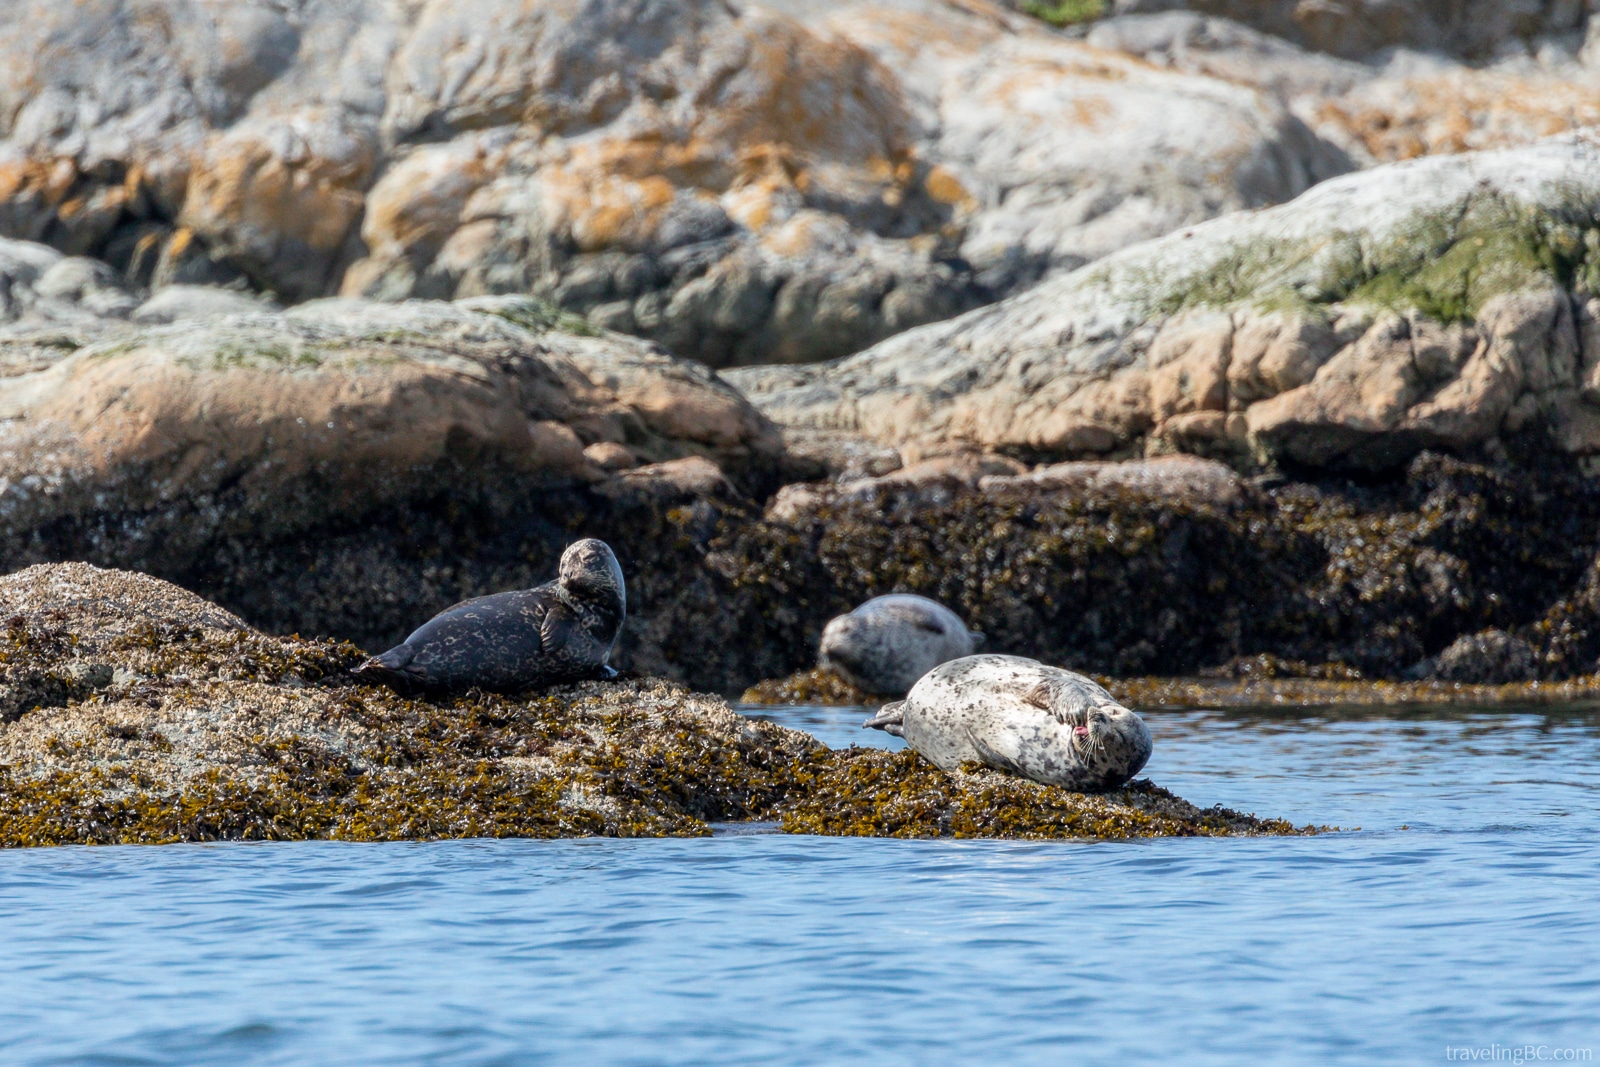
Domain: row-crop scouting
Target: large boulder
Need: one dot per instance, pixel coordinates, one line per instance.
(266, 425)
(1469, 29)
(1395, 106)
(1447, 303)
(740, 183)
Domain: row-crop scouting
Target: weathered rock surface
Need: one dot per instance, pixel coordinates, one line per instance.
(316, 456)
(1443, 303)
(1393, 106)
(1468, 29)
(182, 724)
(269, 424)
(741, 183)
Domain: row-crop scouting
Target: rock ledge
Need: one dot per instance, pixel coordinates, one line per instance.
(137, 713)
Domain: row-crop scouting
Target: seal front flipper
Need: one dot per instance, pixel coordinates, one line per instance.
(890, 719)
(991, 758)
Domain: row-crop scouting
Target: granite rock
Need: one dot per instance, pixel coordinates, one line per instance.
(1446, 302)
(743, 184)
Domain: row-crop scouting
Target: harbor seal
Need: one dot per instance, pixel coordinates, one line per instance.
(1018, 715)
(889, 642)
(561, 631)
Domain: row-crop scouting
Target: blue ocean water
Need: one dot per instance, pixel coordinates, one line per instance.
(1465, 912)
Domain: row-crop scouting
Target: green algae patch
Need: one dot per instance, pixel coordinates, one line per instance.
(872, 793)
(1062, 13)
(1443, 264)
(539, 316)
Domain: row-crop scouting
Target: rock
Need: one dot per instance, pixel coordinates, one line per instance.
(1474, 29)
(41, 288)
(611, 456)
(1174, 478)
(268, 424)
(1409, 113)
(204, 729)
(1489, 656)
(1195, 43)
(177, 302)
(740, 184)
(839, 456)
(1398, 104)
(1408, 307)
(89, 283)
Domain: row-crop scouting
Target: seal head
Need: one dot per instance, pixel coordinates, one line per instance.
(589, 572)
(1018, 715)
(889, 642)
(562, 631)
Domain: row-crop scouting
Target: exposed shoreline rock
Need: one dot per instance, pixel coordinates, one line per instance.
(1289, 693)
(189, 726)
(1448, 303)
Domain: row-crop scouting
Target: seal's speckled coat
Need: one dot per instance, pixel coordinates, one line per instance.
(561, 631)
(889, 642)
(1018, 715)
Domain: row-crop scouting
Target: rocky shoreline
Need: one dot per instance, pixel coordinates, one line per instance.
(137, 713)
(1228, 342)
(818, 686)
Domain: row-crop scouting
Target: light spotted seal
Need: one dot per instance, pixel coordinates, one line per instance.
(889, 642)
(561, 631)
(1018, 715)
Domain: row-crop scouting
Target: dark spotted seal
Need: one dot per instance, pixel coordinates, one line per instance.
(561, 631)
(1017, 715)
(889, 642)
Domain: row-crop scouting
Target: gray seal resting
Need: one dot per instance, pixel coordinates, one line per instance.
(889, 642)
(561, 631)
(1018, 715)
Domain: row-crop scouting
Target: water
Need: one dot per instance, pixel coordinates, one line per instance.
(1474, 925)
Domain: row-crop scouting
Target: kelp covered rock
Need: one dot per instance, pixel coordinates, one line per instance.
(1120, 570)
(899, 794)
(175, 722)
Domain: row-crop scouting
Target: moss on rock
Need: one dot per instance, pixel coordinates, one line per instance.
(1445, 263)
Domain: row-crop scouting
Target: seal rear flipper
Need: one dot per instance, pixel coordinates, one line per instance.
(392, 668)
(890, 719)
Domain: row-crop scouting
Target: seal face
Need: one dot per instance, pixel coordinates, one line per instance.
(561, 631)
(889, 642)
(1018, 715)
